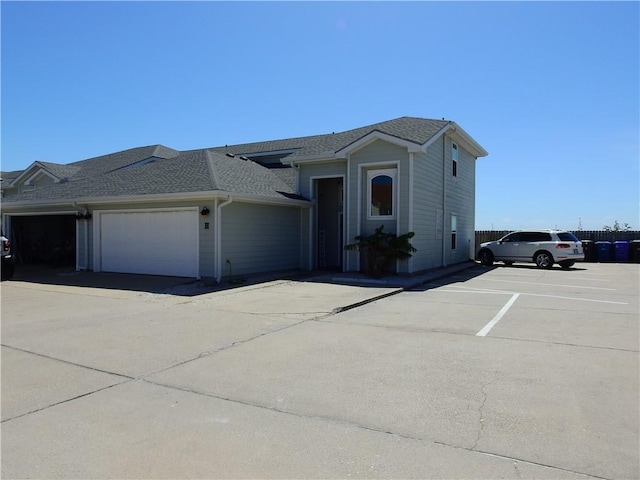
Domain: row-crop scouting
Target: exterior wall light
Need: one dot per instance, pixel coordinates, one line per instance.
(204, 211)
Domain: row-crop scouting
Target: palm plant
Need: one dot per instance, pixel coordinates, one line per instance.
(382, 248)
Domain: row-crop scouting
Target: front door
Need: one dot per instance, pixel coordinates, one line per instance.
(329, 223)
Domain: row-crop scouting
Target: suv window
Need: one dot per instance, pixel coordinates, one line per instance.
(535, 237)
(512, 237)
(567, 237)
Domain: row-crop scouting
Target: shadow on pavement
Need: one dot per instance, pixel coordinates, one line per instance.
(453, 277)
(158, 284)
(190, 287)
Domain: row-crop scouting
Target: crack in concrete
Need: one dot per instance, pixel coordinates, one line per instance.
(369, 428)
(212, 351)
(67, 400)
(128, 377)
(481, 413)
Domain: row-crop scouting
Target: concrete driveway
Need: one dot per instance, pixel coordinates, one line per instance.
(487, 373)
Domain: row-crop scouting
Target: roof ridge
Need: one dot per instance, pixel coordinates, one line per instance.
(213, 174)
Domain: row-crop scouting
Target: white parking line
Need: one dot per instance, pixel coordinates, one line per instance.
(507, 292)
(573, 298)
(549, 284)
(487, 328)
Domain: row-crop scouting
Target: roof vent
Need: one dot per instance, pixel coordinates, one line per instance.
(230, 155)
(244, 158)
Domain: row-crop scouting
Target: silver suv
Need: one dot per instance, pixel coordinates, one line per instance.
(542, 247)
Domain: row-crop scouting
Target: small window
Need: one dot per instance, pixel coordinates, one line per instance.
(454, 159)
(381, 193)
(454, 232)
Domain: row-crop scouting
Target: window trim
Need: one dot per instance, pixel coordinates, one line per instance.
(393, 174)
(454, 160)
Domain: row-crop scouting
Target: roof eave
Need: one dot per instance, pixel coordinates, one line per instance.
(318, 158)
(9, 207)
(474, 147)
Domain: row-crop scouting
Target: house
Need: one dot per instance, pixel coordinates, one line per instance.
(240, 209)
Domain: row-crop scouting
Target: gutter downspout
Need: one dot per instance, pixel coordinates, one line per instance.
(219, 237)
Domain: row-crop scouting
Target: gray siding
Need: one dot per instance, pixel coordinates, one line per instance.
(207, 242)
(427, 203)
(83, 247)
(259, 238)
(90, 246)
(43, 181)
(306, 261)
(461, 202)
(328, 169)
(377, 155)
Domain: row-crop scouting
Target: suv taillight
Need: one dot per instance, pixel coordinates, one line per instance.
(563, 245)
(5, 246)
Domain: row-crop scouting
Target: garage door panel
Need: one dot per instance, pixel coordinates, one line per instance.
(156, 243)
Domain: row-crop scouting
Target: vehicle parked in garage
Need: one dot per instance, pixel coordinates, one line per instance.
(542, 247)
(8, 267)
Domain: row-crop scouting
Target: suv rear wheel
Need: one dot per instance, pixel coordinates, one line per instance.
(486, 258)
(543, 259)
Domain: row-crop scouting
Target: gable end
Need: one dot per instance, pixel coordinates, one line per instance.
(372, 137)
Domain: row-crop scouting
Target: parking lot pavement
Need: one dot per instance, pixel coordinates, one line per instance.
(490, 373)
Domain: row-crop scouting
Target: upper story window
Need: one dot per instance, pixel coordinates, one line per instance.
(381, 194)
(454, 232)
(454, 159)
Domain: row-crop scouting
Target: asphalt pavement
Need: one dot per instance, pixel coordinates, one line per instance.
(465, 372)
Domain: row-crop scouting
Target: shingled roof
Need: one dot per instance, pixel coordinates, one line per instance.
(191, 171)
(412, 129)
(157, 169)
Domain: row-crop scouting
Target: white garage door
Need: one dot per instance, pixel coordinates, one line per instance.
(156, 243)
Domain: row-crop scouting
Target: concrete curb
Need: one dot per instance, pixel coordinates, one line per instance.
(436, 275)
(368, 300)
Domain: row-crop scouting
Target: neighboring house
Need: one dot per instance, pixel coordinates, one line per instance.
(241, 209)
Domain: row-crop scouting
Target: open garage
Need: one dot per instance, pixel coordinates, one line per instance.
(44, 239)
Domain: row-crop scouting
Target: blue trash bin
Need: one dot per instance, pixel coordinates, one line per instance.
(604, 251)
(621, 251)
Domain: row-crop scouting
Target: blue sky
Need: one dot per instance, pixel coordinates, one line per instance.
(551, 90)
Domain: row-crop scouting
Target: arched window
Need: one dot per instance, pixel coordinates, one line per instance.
(381, 193)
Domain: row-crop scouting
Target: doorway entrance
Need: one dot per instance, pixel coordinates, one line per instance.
(329, 223)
